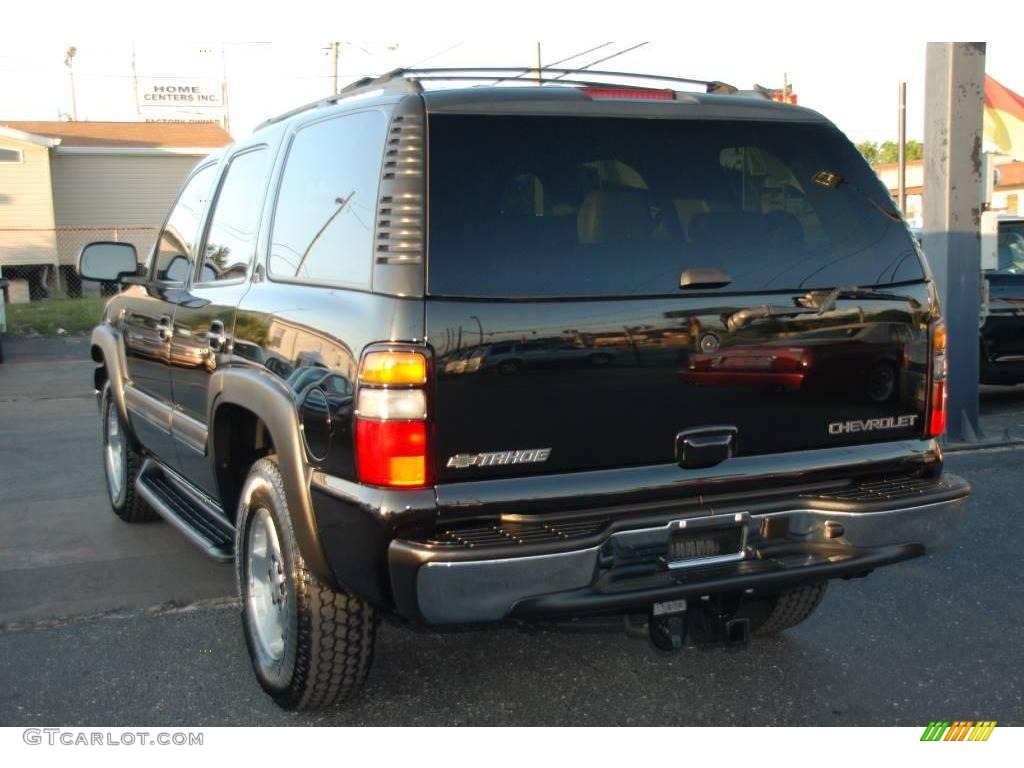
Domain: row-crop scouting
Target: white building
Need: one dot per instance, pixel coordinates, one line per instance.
(63, 184)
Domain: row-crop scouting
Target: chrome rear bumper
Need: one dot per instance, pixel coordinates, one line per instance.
(781, 548)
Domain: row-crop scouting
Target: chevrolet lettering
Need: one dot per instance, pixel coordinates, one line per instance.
(870, 425)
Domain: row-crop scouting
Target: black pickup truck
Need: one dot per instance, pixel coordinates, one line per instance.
(464, 355)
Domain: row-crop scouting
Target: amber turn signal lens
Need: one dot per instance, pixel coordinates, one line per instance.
(393, 367)
(939, 338)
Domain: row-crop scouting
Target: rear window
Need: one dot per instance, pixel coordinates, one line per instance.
(525, 207)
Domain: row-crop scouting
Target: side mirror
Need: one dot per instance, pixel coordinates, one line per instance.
(177, 270)
(107, 262)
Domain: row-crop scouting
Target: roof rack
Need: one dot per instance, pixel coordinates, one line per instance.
(410, 79)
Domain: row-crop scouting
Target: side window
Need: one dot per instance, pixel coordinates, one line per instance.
(174, 257)
(326, 206)
(231, 237)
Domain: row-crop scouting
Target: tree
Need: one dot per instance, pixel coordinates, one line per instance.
(888, 151)
(870, 151)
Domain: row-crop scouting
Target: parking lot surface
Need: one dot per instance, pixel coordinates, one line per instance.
(102, 623)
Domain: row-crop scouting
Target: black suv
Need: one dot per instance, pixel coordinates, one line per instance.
(729, 375)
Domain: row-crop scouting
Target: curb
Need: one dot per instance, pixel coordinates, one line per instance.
(1012, 437)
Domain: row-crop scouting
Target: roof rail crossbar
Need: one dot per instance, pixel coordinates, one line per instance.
(491, 73)
(562, 81)
(410, 78)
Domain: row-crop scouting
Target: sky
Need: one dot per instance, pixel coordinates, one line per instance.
(854, 83)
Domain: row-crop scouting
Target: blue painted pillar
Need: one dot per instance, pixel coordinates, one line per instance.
(952, 204)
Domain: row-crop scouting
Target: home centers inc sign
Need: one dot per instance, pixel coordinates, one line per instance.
(180, 99)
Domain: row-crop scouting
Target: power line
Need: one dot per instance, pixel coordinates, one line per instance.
(600, 60)
(541, 68)
(574, 56)
(433, 56)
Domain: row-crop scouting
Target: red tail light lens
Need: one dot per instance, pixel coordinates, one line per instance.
(937, 418)
(392, 453)
(937, 401)
(390, 424)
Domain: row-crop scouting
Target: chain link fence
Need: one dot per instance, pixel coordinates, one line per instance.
(43, 263)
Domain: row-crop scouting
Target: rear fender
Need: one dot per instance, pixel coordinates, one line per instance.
(272, 403)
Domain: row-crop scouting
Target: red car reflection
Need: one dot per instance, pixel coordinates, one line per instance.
(760, 366)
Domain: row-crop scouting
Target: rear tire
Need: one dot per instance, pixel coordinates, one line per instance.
(311, 646)
(121, 463)
(790, 608)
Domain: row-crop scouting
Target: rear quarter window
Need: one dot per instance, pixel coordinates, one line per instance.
(324, 215)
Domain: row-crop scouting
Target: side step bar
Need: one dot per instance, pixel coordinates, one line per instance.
(179, 503)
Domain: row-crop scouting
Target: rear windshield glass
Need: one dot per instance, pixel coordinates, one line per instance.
(582, 206)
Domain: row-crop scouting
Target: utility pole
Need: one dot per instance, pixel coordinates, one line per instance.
(954, 89)
(224, 85)
(69, 58)
(135, 87)
(901, 159)
(785, 88)
(334, 64)
(539, 81)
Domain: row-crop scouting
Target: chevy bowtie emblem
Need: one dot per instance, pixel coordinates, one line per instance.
(498, 458)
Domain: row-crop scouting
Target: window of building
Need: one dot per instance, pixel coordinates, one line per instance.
(234, 224)
(325, 210)
(10, 155)
(174, 251)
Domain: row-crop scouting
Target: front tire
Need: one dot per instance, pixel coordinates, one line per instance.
(311, 646)
(121, 463)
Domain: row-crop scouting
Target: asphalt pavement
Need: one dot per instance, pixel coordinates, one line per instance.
(103, 623)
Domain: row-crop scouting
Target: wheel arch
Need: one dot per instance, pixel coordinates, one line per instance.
(108, 352)
(250, 395)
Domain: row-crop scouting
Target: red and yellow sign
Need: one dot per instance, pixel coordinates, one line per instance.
(1004, 119)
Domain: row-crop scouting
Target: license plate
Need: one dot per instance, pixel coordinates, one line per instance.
(705, 543)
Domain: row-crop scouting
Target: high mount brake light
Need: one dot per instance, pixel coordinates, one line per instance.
(390, 423)
(937, 399)
(598, 92)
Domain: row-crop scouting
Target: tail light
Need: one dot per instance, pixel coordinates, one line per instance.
(391, 419)
(937, 404)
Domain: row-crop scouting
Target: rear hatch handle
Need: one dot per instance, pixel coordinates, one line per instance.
(704, 277)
